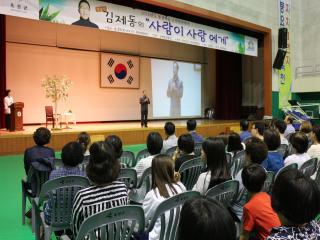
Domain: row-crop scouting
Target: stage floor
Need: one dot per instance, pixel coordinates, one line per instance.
(129, 132)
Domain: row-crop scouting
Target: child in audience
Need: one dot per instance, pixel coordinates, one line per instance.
(41, 137)
(154, 145)
(85, 140)
(171, 138)
(72, 156)
(164, 185)
(258, 129)
(234, 144)
(296, 200)
(256, 152)
(300, 144)
(191, 127)
(214, 155)
(184, 151)
(258, 215)
(205, 219)
(116, 142)
(281, 126)
(245, 133)
(106, 192)
(274, 159)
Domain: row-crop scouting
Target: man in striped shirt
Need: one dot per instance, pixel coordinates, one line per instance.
(102, 170)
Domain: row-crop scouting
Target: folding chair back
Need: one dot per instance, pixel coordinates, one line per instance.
(238, 162)
(197, 149)
(142, 154)
(128, 159)
(168, 212)
(171, 151)
(283, 150)
(229, 159)
(144, 186)
(129, 177)
(190, 171)
(309, 167)
(268, 182)
(290, 166)
(225, 192)
(113, 224)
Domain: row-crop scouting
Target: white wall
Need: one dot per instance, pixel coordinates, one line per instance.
(264, 13)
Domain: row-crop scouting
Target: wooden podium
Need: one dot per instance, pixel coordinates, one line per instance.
(16, 116)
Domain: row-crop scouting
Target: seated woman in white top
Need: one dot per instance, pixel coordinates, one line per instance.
(213, 153)
(164, 185)
(300, 144)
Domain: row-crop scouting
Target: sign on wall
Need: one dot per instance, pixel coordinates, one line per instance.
(119, 71)
(285, 78)
(112, 17)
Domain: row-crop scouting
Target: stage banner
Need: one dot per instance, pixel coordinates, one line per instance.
(119, 71)
(112, 17)
(20, 8)
(285, 78)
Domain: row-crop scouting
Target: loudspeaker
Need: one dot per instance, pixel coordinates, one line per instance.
(278, 61)
(283, 38)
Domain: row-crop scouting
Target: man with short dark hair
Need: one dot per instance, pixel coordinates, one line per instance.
(191, 127)
(171, 139)
(258, 215)
(245, 133)
(144, 101)
(281, 127)
(185, 150)
(258, 129)
(84, 11)
(8, 101)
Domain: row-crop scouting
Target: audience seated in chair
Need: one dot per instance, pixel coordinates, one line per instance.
(306, 128)
(256, 152)
(154, 146)
(205, 219)
(289, 129)
(106, 192)
(214, 156)
(72, 156)
(191, 127)
(244, 127)
(258, 215)
(314, 150)
(116, 142)
(296, 200)
(85, 140)
(41, 138)
(274, 159)
(258, 129)
(164, 185)
(300, 144)
(234, 144)
(184, 151)
(281, 126)
(171, 139)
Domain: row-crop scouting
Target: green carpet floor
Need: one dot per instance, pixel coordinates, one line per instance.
(12, 172)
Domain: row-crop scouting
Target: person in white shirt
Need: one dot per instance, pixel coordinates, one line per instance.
(300, 144)
(8, 100)
(164, 185)
(289, 129)
(281, 126)
(314, 150)
(171, 139)
(154, 146)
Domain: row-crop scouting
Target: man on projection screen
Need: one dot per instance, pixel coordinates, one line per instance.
(175, 92)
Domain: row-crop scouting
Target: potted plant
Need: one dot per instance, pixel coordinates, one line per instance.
(56, 88)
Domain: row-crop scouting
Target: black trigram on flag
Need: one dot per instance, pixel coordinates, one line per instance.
(110, 78)
(111, 62)
(130, 64)
(130, 79)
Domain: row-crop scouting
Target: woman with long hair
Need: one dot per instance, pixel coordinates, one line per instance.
(234, 144)
(164, 185)
(214, 155)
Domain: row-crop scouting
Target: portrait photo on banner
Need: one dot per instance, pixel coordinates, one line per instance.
(119, 71)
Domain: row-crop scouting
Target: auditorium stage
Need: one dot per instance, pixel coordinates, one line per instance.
(129, 132)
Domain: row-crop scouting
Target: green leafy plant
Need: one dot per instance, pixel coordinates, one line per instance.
(46, 16)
